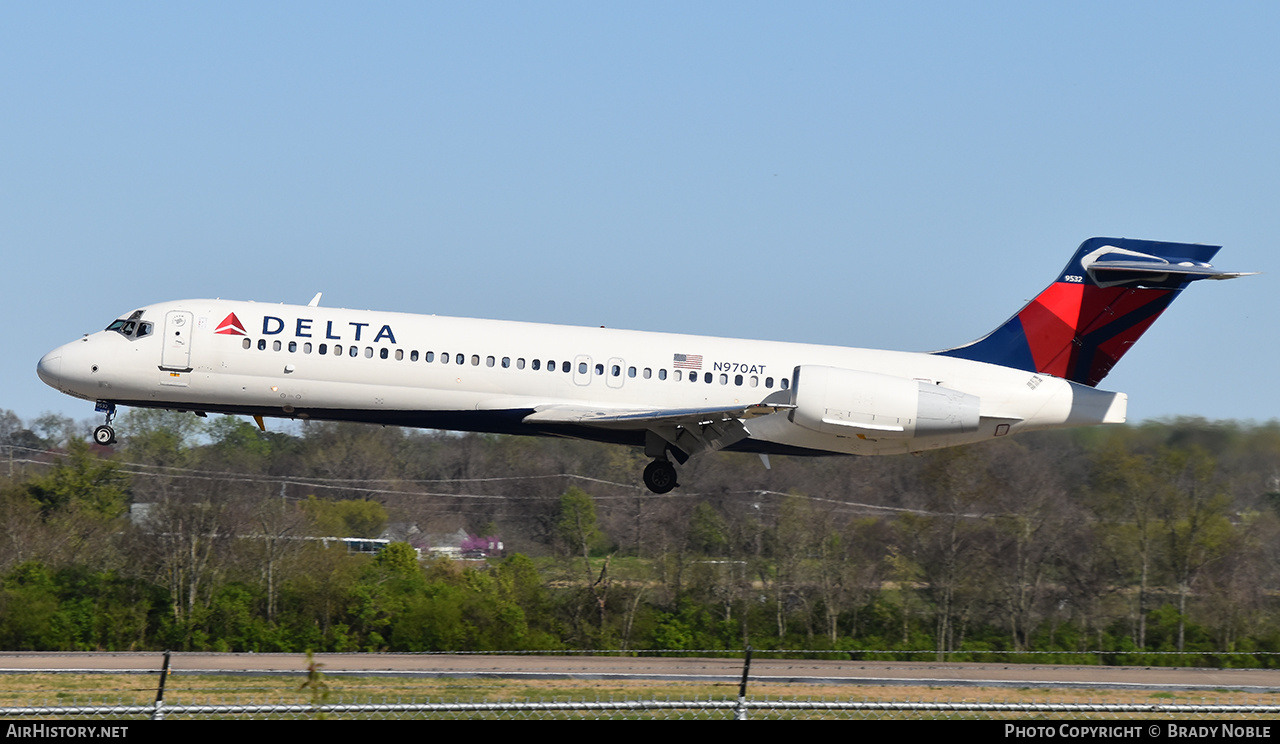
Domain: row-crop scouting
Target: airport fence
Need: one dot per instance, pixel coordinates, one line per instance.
(680, 709)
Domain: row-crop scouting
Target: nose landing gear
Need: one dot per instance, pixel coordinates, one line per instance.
(104, 434)
(660, 476)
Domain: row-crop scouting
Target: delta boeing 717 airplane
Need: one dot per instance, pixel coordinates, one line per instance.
(676, 396)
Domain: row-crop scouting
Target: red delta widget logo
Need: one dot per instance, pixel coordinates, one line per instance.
(231, 326)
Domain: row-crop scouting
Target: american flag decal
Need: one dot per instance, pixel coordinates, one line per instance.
(687, 361)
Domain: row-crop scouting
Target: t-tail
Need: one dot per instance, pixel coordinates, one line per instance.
(1109, 294)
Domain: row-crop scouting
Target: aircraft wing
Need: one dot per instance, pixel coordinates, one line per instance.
(689, 431)
(644, 418)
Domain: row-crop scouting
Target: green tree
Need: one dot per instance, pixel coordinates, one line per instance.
(707, 534)
(947, 545)
(13, 432)
(1124, 494)
(1193, 513)
(232, 434)
(160, 437)
(576, 524)
(54, 430)
(80, 481)
(578, 531)
(399, 559)
(518, 581)
(30, 611)
(346, 518)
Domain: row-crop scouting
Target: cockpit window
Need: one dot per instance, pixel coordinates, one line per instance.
(131, 327)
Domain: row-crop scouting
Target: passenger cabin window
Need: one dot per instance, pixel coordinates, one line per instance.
(565, 367)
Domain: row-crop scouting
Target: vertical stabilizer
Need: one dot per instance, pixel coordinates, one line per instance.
(1108, 295)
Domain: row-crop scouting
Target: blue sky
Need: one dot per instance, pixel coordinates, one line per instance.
(892, 175)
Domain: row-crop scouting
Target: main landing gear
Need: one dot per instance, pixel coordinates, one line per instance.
(660, 476)
(104, 434)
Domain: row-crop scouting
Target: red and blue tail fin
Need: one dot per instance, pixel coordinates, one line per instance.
(1111, 291)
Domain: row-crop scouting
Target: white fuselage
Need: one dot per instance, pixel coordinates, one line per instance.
(486, 375)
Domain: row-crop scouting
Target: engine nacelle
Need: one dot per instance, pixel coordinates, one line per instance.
(849, 402)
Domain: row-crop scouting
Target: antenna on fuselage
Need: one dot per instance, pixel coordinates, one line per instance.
(315, 301)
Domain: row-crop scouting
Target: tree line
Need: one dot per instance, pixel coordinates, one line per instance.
(1105, 545)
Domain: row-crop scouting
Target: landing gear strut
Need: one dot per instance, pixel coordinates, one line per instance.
(660, 476)
(104, 434)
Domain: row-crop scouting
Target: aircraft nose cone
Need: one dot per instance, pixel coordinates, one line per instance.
(50, 369)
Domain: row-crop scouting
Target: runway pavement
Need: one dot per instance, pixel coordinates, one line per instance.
(692, 669)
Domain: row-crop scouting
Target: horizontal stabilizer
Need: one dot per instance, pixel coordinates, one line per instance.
(1174, 265)
(1134, 268)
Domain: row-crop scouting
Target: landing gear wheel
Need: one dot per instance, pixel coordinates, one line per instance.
(660, 476)
(104, 435)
